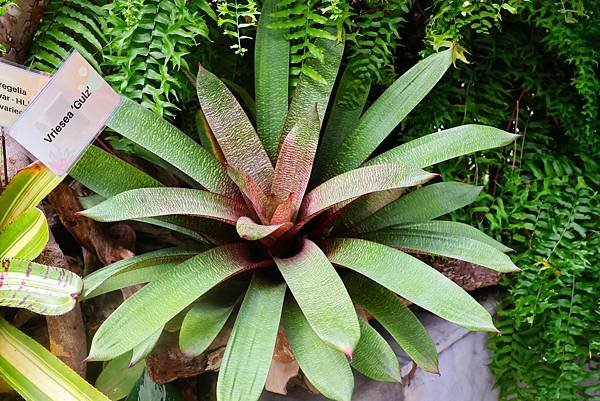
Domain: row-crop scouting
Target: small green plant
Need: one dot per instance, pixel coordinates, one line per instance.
(290, 233)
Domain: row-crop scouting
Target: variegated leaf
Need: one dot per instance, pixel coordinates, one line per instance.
(26, 237)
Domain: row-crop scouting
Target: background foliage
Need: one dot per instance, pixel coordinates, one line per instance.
(533, 70)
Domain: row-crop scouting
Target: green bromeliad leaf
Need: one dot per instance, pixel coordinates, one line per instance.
(295, 161)
(410, 278)
(450, 239)
(146, 390)
(141, 351)
(158, 302)
(233, 130)
(36, 374)
(117, 379)
(373, 356)
(41, 289)
(250, 348)
(272, 71)
(156, 258)
(107, 175)
(445, 145)
(205, 320)
(26, 237)
(359, 182)
(155, 202)
(148, 130)
(421, 205)
(322, 297)
(396, 317)
(387, 112)
(326, 368)
(26, 190)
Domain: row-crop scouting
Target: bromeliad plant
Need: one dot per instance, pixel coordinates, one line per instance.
(318, 230)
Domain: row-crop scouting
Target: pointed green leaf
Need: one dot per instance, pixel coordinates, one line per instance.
(26, 190)
(450, 239)
(271, 61)
(136, 319)
(155, 258)
(444, 145)
(148, 130)
(310, 91)
(117, 379)
(326, 368)
(108, 175)
(295, 160)
(421, 205)
(322, 297)
(153, 202)
(359, 182)
(344, 116)
(251, 231)
(394, 315)
(233, 130)
(374, 357)
(36, 374)
(26, 237)
(41, 289)
(139, 275)
(204, 321)
(410, 278)
(364, 207)
(250, 348)
(141, 351)
(388, 111)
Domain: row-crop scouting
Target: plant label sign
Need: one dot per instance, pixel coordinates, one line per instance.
(67, 115)
(17, 87)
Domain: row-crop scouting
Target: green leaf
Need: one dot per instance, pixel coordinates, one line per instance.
(450, 239)
(130, 278)
(326, 368)
(26, 237)
(310, 91)
(108, 175)
(271, 65)
(205, 320)
(117, 379)
(36, 374)
(444, 145)
(156, 258)
(373, 356)
(343, 119)
(153, 202)
(295, 160)
(249, 230)
(233, 130)
(41, 289)
(364, 207)
(250, 348)
(146, 390)
(359, 182)
(421, 205)
(141, 351)
(134, 320)
(410, 278)
(395, 316)
(26, 190)
(148, 130)
(322, 297)
(388, 111)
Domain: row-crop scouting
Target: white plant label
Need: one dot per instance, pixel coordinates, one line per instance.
(67, 115)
